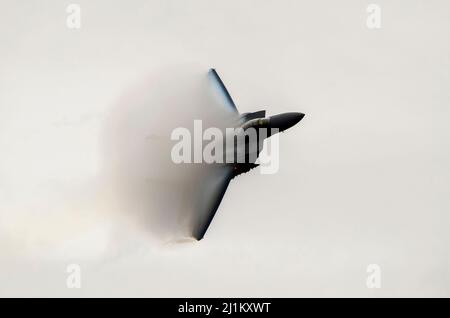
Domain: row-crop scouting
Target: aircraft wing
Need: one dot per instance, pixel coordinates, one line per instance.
(221, 91)
(209, 195)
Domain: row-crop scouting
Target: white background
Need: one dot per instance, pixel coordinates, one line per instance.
(364, 178)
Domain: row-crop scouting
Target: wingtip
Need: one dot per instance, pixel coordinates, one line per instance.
(197, 237)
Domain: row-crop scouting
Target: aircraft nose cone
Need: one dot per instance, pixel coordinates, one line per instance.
(286, 120)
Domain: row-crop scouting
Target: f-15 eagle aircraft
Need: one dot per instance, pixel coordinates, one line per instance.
(214, 187)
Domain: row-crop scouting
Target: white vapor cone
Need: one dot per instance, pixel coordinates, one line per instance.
(147, 184)
(85, 186)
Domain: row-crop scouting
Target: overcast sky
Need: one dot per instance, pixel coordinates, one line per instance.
(364, 178)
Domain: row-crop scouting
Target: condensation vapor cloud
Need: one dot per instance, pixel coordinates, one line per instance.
(137, 148)
(80, 188)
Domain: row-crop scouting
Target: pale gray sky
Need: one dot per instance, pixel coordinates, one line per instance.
(364, 178)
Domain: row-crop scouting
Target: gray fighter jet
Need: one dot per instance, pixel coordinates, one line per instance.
(219, 176)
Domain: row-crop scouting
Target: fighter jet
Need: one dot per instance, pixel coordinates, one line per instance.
(214, 186)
